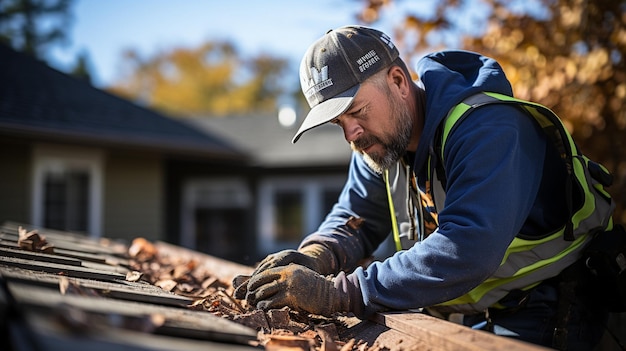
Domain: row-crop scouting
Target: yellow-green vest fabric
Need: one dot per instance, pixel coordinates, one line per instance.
(528, 262)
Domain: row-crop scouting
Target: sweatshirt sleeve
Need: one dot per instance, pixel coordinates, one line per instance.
(493, 163)
(360, 219)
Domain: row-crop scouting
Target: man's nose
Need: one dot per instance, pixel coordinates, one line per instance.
(351, 129)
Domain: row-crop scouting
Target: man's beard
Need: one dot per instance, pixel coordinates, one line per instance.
(395, 143)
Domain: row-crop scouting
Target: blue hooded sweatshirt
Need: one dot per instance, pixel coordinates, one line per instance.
(504, 179)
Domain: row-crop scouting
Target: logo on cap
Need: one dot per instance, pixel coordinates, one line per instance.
(318, 81)
(367, 60)
(387, 40)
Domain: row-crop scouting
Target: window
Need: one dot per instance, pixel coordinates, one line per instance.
(219, 231)
(290, 208)
(288, 216)
(66, 200)
(214, 216)
(67, 189)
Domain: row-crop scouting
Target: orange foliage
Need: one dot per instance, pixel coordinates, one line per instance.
(571, 58)
(210, 80)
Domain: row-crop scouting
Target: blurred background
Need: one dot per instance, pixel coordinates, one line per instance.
(225, 73)
(172, 120)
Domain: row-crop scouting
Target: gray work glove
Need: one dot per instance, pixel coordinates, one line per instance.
(298, 287)
(316, 257)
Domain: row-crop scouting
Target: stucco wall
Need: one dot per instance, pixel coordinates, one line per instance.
(133, 196)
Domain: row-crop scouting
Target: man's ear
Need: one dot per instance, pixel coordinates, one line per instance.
(396, 79)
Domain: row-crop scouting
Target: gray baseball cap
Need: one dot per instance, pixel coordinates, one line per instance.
(334, 67)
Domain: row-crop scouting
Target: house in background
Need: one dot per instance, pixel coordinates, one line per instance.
(76, 158)
(286, 190)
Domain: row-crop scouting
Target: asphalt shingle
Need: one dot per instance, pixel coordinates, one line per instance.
(40, 102)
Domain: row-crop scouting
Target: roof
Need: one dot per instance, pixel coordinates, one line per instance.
(64, 291)
(39, 102)
(269, 143)
(77, 293)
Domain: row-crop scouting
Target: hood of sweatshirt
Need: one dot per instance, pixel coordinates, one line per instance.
(448, 77)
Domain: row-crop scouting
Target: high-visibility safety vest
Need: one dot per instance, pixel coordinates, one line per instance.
(534, 260)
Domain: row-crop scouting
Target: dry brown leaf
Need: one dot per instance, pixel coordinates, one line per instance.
(67, 287)
(328, 334)
(180, 271)
(64, 283)
(198, 304)
(209, 282)
(167, 284)
(280, 329)
(185, 288)
(287, 343)
(47, 248)
(349, 345)
(133, 276)
(33, 241)
(26, 244)
(142, 248)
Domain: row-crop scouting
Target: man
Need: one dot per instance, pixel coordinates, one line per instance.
(484, 247)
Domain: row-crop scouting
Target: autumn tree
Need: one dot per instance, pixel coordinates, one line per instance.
(569, 55)
(209, 80)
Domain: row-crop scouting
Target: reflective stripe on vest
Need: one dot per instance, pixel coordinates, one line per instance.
(528, 262)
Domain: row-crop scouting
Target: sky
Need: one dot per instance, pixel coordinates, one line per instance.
(282, 28)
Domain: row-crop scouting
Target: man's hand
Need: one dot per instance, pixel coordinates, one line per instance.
(315, 257)
(297, 287)
(286, 257)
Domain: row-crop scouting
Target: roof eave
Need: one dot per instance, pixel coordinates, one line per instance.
(139, 143)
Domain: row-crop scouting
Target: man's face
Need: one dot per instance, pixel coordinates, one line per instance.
(378, 125)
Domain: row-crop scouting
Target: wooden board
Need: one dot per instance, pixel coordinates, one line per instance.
(61, 269)
(112, 312)
(447, 336)
(83, 256)
(90, 257)
(100, 310)
(222, 269)
(120, 314)
(124, 290)
(66, 240)
(48, 335)
(381, 337)
(38, 256)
